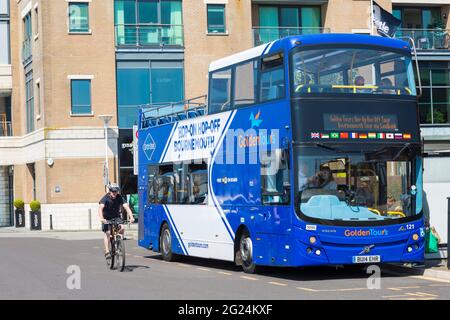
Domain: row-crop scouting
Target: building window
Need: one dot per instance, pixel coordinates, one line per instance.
(36, 21)
(4, 45)
(81, 96)
(146, 82)
(78, 17)
(26, 46)
(216, 18)
(29, 102)
(434, 104)
(148, 22)
(4, 7)
(276, 22)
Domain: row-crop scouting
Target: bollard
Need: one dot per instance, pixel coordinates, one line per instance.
(51, 222)
(90, 219)
(448, 233)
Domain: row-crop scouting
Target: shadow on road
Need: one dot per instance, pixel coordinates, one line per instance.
(316, 273)
(132, 268)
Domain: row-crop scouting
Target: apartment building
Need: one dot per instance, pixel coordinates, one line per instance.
(74, 60)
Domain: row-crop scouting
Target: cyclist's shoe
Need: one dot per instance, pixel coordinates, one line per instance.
(107, 255)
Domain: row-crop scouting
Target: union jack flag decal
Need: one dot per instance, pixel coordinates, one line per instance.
(315, 135)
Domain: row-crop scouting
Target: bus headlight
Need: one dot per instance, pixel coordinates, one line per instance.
(409, 249)
(415, 237)
(318, 252)
(312, 239)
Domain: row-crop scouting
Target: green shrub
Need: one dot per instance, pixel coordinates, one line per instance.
(35, 205)
(19, 204)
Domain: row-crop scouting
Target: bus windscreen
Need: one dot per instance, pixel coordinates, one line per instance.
(352, 70)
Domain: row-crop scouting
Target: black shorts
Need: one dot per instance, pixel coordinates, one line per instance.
(106, 227)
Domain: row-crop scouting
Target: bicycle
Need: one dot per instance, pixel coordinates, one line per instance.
(116, 245)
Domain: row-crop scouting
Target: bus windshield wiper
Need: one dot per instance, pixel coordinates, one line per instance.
(406, 146)
(324, 146)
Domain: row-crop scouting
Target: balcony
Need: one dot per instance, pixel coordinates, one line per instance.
(5, 129)
(26, 51)
(142, 35)
(263, 35)
(427, 39)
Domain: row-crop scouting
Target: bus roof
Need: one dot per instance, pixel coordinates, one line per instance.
(316, 39)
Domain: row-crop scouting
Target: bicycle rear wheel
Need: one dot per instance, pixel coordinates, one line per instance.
(112, 252)
(120, 253)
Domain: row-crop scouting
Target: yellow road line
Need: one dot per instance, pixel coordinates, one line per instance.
(401, 288)
(183, 265)
(421, 294)
(431, 279)
(307, 289)
(249, 278)
(278, 283)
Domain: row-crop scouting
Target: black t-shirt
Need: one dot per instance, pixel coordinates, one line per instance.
(112, 206)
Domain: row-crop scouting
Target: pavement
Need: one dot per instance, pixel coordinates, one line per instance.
(39, 265)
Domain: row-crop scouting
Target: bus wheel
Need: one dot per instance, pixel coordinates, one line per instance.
(165, 243)
(246, 251)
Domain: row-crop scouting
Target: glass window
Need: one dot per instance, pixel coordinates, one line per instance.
(290, 17)
(220, 91)
(29, 101)
(216, 18)
(245, 90)
(81, 96)
(310, 18)
(4, 7)
(341, 70)
(275, 186)
(198, 184)
(148, 11)
(133, 89)
(79, 17)
(167, 83)
(4, 48)
(165, 185)
(272, 78)
(347, 186)
(124, 12)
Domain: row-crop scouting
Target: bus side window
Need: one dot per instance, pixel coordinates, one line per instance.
(272, 78)
(220, 91)
(245, 90)
(275, 186)
(198, 184)
(151, 184)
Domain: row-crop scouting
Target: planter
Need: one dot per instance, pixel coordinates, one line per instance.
(19, 217)
(35, 220)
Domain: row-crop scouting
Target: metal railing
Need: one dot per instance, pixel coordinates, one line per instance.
(427, 39)
(263, 35)
(26, 51)
(162, 113)
(142, 35)
(5, 129)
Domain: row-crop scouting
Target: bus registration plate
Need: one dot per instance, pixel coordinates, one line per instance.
(366, 259)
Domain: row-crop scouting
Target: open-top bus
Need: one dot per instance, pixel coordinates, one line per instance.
(307, 152)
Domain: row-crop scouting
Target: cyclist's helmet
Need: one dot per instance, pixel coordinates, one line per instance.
(113, 187)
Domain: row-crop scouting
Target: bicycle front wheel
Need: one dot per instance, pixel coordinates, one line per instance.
(120, 254)
(112, 252)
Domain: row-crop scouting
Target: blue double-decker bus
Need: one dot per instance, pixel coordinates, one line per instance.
(307, 152)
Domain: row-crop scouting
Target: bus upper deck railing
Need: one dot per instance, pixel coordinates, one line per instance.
(158, 114)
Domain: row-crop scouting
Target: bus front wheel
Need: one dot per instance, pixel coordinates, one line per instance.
(246, 252)
(165, 244)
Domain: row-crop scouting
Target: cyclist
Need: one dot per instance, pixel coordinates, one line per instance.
(109, 209)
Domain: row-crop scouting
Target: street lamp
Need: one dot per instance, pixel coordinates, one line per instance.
(106, 118)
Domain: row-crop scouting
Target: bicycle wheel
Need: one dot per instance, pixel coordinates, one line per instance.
(112, 251)
(120, 253)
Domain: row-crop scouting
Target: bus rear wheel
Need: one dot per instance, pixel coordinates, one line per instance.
(165, 244)
(246, 252)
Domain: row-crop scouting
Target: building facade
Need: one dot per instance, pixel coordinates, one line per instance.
(68, 62)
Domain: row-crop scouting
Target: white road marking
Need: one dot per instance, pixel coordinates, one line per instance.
(225, 273)
(249, 278)
(278, 283)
